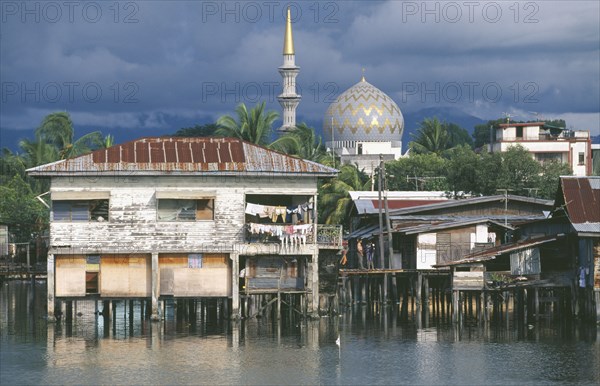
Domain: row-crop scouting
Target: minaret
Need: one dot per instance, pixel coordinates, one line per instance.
(288, 99)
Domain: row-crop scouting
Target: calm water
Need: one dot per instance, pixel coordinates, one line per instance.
(373, 350)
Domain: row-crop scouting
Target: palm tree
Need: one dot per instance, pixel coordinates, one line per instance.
(335, 202)
(38, 152)
(431, 137)
(303, 142)
(252, 126)
(107, 141)
(57, 130)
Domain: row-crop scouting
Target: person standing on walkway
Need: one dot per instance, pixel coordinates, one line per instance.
(370, 253)
(360, 254)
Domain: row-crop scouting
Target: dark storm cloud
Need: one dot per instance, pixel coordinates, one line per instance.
(158, 62)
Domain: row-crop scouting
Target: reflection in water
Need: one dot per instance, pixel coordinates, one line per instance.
(128, 349)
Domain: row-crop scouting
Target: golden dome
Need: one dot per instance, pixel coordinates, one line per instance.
(364, 113)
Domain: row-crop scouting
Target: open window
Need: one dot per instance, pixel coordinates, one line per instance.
(185, 206)
(80, 206)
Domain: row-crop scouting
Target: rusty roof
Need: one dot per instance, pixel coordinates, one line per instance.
(580, 197)
(180, 155)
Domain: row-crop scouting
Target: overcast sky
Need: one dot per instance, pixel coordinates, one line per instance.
(146, 64)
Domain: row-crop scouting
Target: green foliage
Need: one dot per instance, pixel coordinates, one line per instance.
(303, 142)
(207, 130)
(417, 172)
(57, 130)
(253, 126)
(436, 137)
(461, 170)
(549, 179)
(335, 204)
(519, 171)
(481, 133)
(431, 137)
(457, 135)
(20, 210)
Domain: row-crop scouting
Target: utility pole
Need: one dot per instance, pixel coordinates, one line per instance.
(505, 212)
(381, 246)
(387, 217)
(381, 243)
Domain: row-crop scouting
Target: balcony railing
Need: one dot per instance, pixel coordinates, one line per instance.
(327, 236)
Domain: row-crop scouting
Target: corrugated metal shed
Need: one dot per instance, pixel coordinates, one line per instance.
(179, 155)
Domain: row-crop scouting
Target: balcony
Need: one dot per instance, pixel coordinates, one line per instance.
(291, 239)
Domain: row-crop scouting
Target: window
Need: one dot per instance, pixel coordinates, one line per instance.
(359, 149)
(185, 210)
(80, 210)
(195, 260)
(208, 260)
(520, 132)
(581, 158)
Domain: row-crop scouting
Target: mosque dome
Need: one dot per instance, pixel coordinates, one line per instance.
(363, 113)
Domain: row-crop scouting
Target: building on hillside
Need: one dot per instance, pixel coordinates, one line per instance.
(429, 234)
(362, 124)
(163, 218)
(548, 143)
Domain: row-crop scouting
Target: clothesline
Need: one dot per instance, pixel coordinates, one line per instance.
(292, 234)
(273, 212)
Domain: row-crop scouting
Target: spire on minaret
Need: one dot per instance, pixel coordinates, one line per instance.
(288, 40)
(288, 99)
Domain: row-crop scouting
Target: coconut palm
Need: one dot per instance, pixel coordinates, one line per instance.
(38, 152)
(431, 137)
(303, 142)
(334, 199)
(252, 126)
(57, 130)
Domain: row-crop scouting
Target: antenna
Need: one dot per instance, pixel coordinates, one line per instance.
(508, 116)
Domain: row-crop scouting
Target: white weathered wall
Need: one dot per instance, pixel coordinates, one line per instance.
(133, 225)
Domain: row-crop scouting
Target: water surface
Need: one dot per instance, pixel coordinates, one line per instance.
(373, 349)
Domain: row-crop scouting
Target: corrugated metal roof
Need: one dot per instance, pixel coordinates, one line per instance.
(421, 228)
(491, 253)
(179, 155)
(471, 201)
(582, 201)
(588, 227)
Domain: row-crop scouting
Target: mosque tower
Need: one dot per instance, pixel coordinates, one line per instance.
(288, 99)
